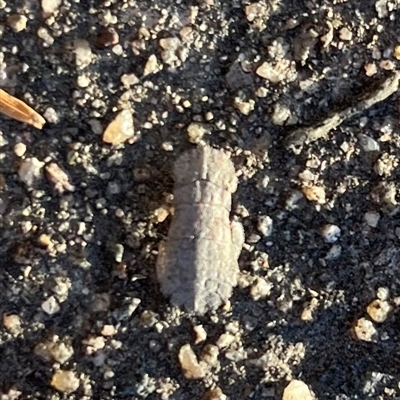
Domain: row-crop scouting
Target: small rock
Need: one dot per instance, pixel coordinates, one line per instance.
(58, 178)
(367, 143)
(297, 390)
(330, 233)
(151, 66)
(51, 115)
(50, 306)
(345, 34)
(169, 50)
(54, 350)
(244, 107)
(210, 355)
(257, 14)
(370, 69)
(379, 310)
(365, 330)
(372, 218)
(315, 193)
(107, 37)
(83, 53)
(17, 22)
(225, 340)
(381, 8)
(129, 80)
(280, 114)
(196, 131)
(265, 225)
(101, 302)
(108, 330)
(65, 381)
(30, 171)
(190, 366)
(308, 312)
(120, 129)
(214, 394)
(12, 323)
(93, 344)
(396, 52)
(201, 334)
(268, 72)
(20, 149)
(261, 288)
(49, 7)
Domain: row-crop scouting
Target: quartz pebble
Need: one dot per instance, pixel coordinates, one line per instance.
(30, 171)
(330, 233)
(151, 66)
(297, 390)
(365, 330)
(19, 149)
(50, 306)
(65, 381)
(379, 310)
(190, 366)
(201, 334)
(265, 225)
(120, 129)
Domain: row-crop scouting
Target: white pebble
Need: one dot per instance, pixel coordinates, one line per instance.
(330, 233)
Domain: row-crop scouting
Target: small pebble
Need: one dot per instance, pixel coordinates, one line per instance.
(30, 171)
(265, 225)
(201, 334)
(58, 178)
(225, 340)
(330, 233)
(12, 322)
(65, 381)
(107, 37)
(297, 390)
(151, 66)
(214, 394)
(345, 34)
(314, 193)
(196, 131)
(20, 149)
(379, 310)
(396, 52)
(260, 289)
(190, 366)
(120, 129)
(49, 7)
(367, 143)
(17, 22)
(108, 330)
(129, 80)
(370, 69)
(365, 330)
(372, 218)
(50, 306)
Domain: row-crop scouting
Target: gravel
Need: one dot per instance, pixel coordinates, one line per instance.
(125, 87)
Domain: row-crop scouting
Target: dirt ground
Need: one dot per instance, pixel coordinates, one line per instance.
(319, 290)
